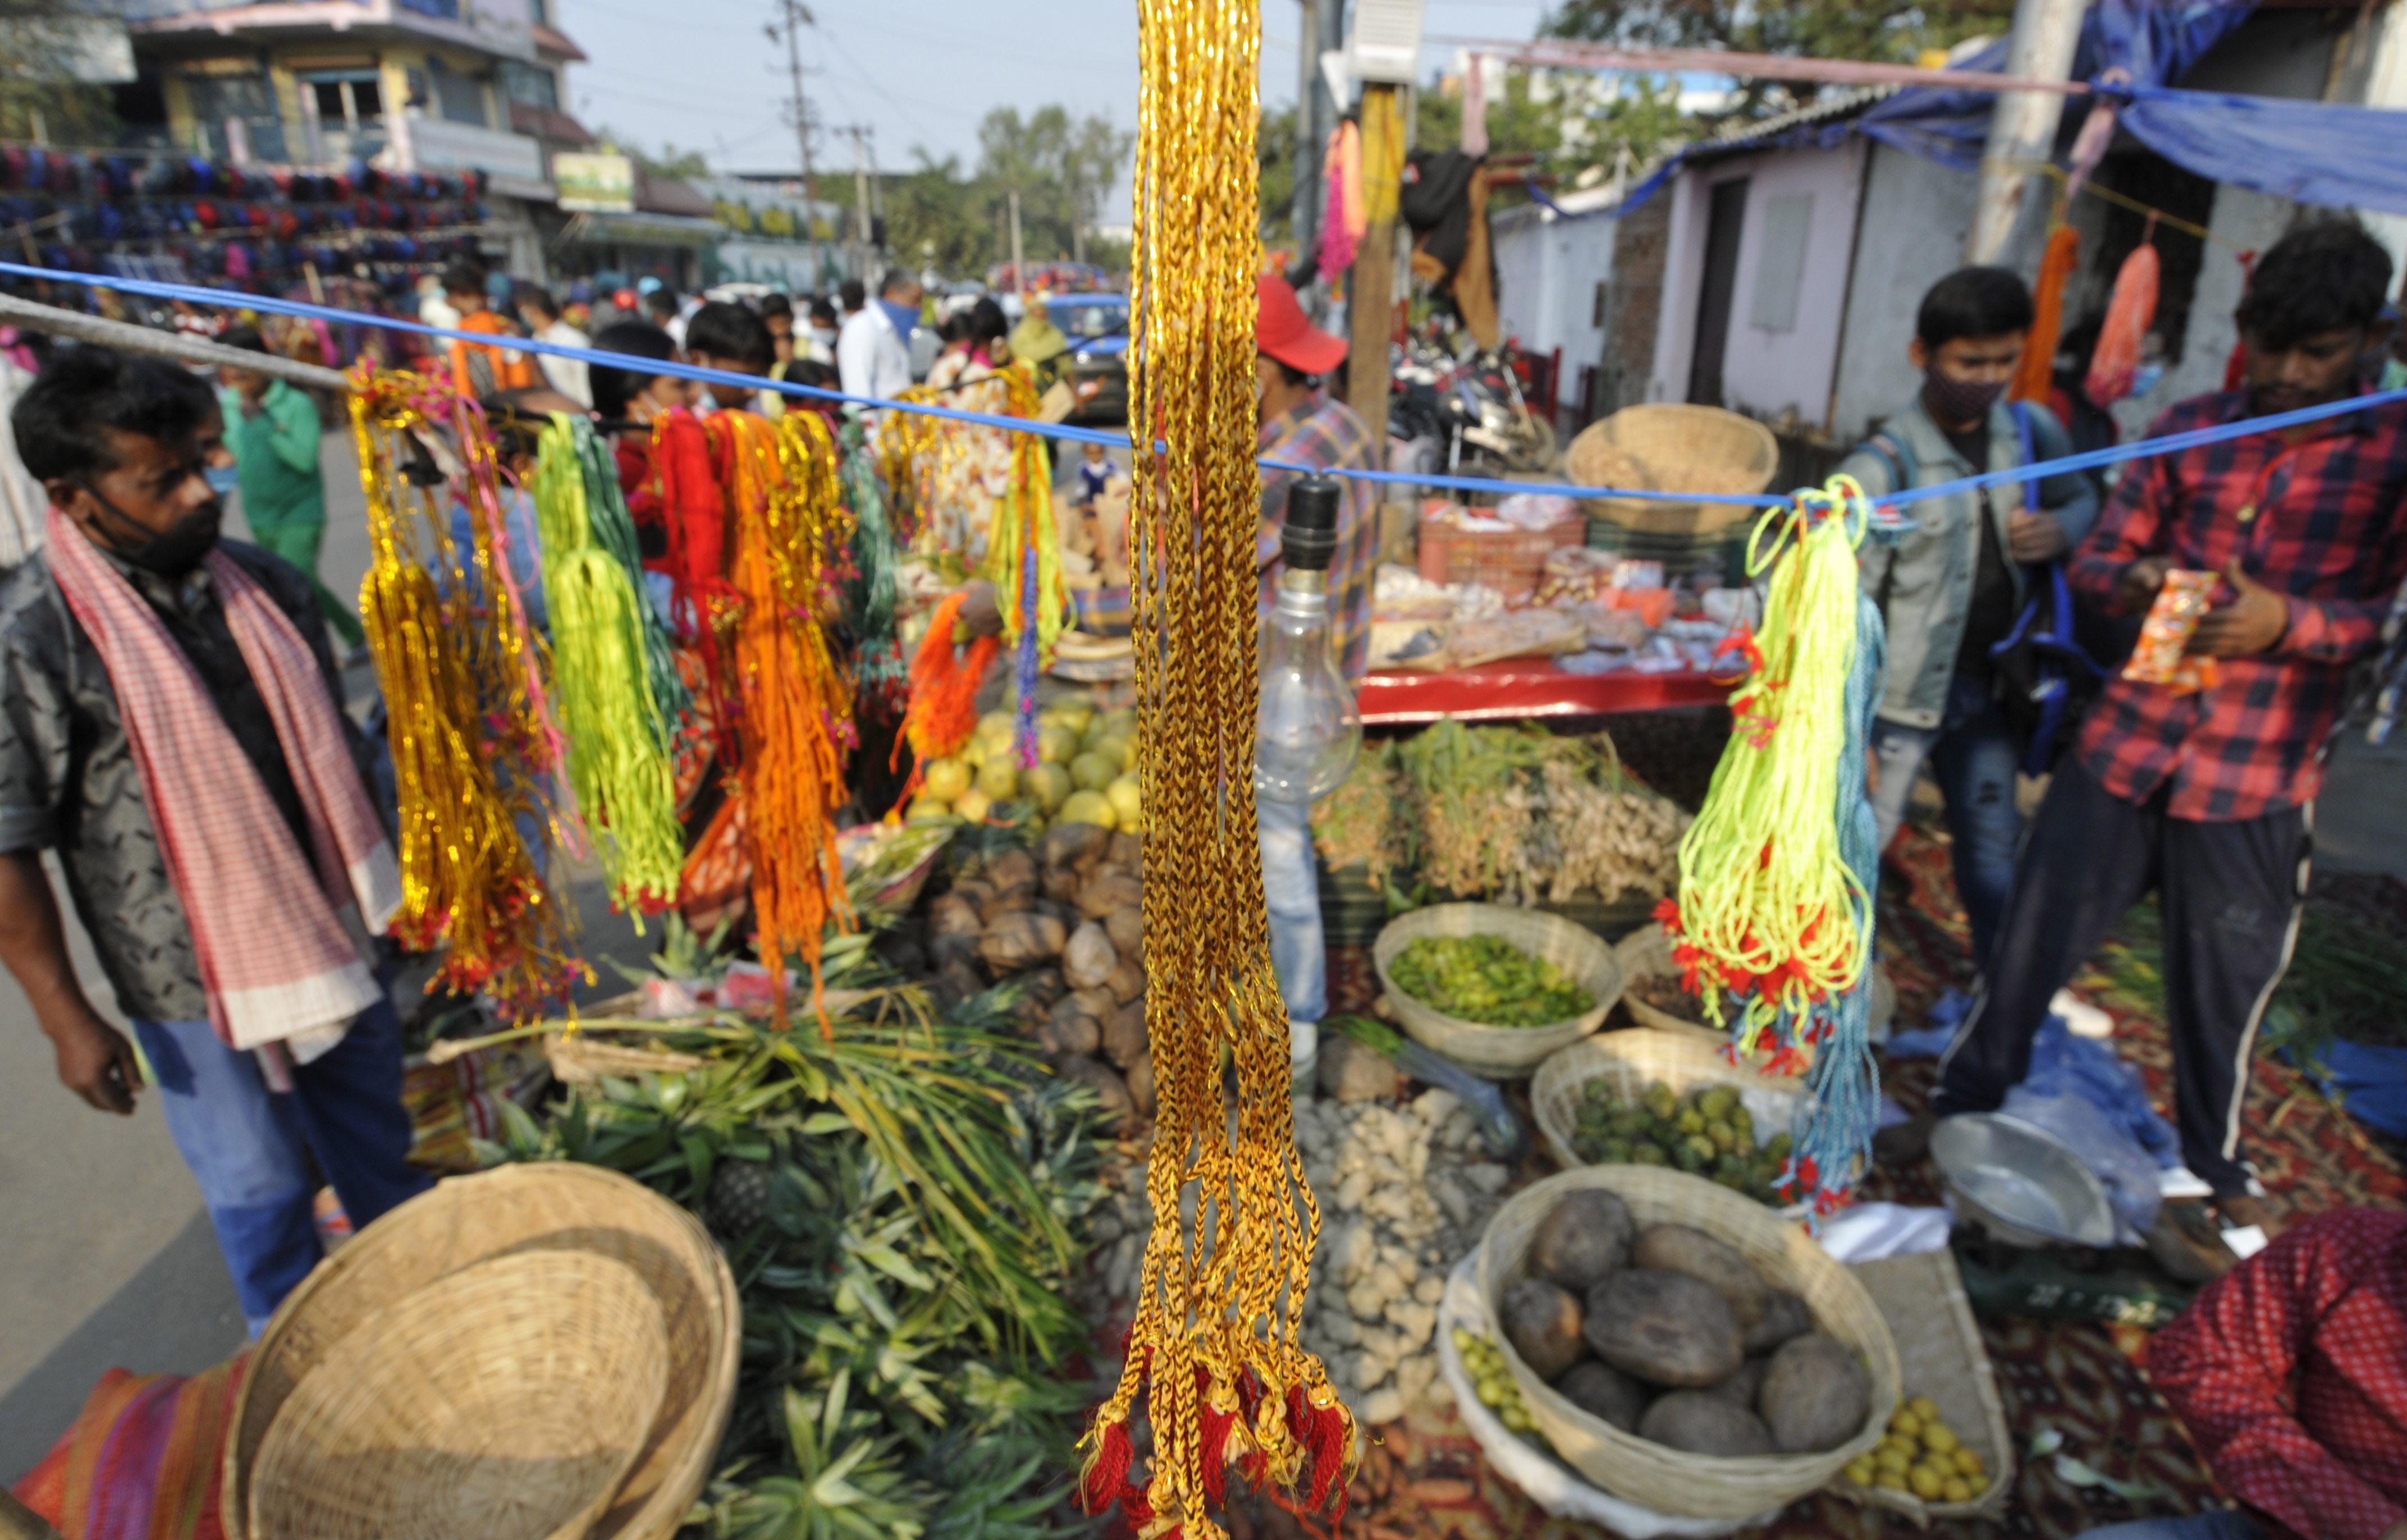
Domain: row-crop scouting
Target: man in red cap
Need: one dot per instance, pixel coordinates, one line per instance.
(1303, 425)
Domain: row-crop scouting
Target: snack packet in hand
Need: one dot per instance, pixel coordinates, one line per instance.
(2173, 619)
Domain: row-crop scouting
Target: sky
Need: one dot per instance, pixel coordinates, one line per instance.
(701, 75)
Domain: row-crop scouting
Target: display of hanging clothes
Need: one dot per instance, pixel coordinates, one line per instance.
(2130, 313)
(475, 757)
(2034, 377)
(1343, 225)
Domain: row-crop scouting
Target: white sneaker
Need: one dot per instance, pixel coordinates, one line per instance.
(2080, 1018)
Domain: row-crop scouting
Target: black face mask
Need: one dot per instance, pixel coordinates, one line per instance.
(170, 552)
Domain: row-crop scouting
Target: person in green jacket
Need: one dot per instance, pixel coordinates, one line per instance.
(272, 428)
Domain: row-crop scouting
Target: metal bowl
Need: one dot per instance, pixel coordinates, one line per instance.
(2021, 1183)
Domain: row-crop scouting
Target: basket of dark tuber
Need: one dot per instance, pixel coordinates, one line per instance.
(1645, 1097)
(1493, 988)
(1682, 1347)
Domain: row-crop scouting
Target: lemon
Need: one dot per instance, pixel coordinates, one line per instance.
(1046, 784)
(1904, 1422)
(1956, 1490)
(1923, 1407)
(1968, 1462)
(924, 807)
(1926, 1483)
(1903, 1445)
(1055, 745)
(1862, 1472)
(1086, 808)
(1890, 1481)
(1939, 1438)
(1093, 772)
(973, 804)
(1889, 1457)
(998, 779)
(1112, 748)
(1127, 794)
(946, 779)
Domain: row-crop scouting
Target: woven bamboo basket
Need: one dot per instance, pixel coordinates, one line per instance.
(1500, 1053)
(1940, 1354)
(1668, 446)
(509, 1404)
(420, 1246)
(1630, 1060)
(1646, 953)
(1671, 1480)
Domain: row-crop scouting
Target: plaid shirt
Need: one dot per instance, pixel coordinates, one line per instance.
(2289, 1373)
(2323, 521)
(1324, 432)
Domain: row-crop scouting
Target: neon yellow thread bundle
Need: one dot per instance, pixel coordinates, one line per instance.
(618, 754)
(1767, 903)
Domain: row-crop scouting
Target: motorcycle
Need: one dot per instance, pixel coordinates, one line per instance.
(1471, 405)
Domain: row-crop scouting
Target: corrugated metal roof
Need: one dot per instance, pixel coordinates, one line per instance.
(1740, 137)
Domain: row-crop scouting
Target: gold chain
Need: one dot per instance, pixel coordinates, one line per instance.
(1215, 1342)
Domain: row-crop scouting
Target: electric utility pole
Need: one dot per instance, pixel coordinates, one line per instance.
(798, 16)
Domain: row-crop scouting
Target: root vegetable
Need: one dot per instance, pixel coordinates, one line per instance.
(1124, 1036)
(1584, 1239)
(1110, 888)
(1126, 981)
(1021, 940)
(1718, 1264)
(1111, 1091)
(1816, 1394)
(1666, 1328)
(1089, 959)
(1604, 1391)
(1704, 1424)
(1140, 1085)
(1785, 1316)
(1543, 1322)
(1070, 1028)
(1126, 927)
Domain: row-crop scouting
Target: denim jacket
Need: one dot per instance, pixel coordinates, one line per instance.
(1924, 581)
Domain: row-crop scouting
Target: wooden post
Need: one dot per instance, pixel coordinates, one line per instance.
(1371, 302)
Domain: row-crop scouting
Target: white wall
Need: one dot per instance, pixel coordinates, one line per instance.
(1769, 373)
(1915, 216)
(1764, 371)
(1547, 268)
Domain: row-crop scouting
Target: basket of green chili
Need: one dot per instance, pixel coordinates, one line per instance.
(1496, 990)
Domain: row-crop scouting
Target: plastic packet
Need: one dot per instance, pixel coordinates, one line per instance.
(2173, 619)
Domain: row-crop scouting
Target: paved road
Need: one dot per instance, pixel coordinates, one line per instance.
(106, 1258)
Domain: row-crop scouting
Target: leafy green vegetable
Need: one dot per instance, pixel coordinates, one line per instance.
(1487, 980)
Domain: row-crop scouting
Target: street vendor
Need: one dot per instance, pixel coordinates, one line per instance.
(2204, 797)
(480, 368)
(176, 735)
(1302, 425)
(1951, 590)
(2289, 1375)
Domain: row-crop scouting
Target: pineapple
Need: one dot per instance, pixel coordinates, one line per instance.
(739, 1197)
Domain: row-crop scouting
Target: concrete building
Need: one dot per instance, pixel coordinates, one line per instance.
(440, 86)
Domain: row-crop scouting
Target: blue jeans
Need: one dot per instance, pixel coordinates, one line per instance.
(1291, 889)
(2213, 1524)
(1974, 755)
(259, 1155)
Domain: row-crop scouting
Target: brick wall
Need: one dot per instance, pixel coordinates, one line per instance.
(1634, 303)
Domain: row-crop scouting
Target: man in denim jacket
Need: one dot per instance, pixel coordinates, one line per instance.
(1952, 588)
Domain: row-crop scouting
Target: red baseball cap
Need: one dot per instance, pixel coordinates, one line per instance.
(1282, 333)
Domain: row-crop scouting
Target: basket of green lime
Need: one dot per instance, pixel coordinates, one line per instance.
(1495, 989)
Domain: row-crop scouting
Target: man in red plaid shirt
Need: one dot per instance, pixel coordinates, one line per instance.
(2206, 798)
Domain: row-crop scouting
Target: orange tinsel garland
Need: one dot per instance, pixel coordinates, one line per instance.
(783, 513)
(943, 693)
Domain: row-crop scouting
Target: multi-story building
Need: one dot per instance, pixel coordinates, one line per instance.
(439, 86)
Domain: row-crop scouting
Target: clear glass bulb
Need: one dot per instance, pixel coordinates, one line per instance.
(1307, 730)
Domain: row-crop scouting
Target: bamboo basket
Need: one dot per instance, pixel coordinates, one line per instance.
(419, 1248)
(1646, 953)
(509, 1404)
(1630, 1060)
(1672, 1480)
(1668, 447)
(1940, 1354)
(1500, 1053)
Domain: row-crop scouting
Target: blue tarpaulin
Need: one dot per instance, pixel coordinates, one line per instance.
(2310, 151)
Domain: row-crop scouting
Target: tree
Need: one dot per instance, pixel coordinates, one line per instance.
(1060, 169)
(1890, 30)
(1274, 153)
(1577, 122)
(670, 161)
(936, 218)
(44, 47)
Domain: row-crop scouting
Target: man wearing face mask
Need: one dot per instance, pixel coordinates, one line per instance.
(1951, 589)
(2205, 796)
(173, 733)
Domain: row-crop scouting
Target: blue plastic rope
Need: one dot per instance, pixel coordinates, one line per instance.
(2113, 454)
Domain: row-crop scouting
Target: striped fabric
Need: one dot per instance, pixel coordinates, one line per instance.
(143, 1460)
(279, 932)
(2324, 522)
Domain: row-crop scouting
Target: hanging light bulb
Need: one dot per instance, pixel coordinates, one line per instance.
(1307, 730)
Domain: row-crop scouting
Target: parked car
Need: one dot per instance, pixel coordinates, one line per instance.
(1097, 326)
